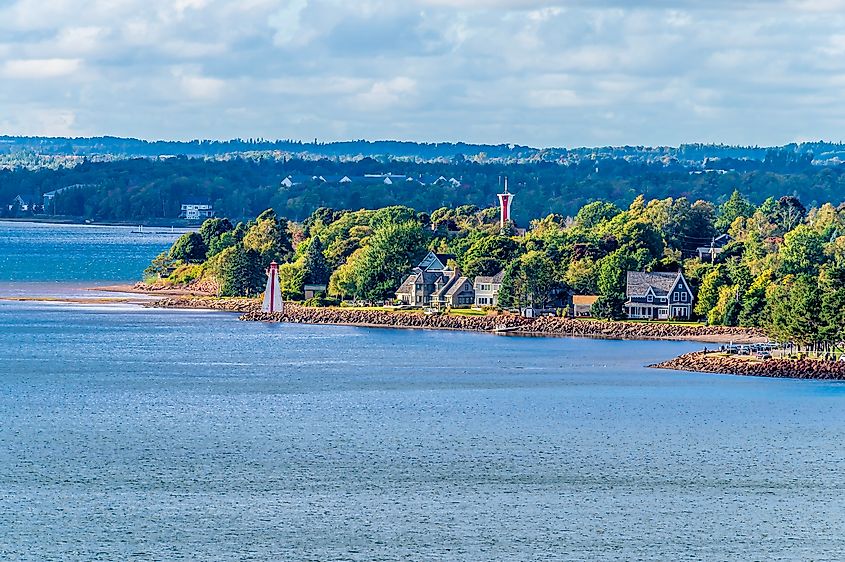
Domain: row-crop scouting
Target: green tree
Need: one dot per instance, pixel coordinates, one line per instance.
(832, 313)
(708, 293)
(528, 281)
(595, 213)
(292, 281)
(189, 248)
(212, 229)
(391, 252)
(316, 269)
(239, 272)
(269, 237)
(736, 206)
(802, 251)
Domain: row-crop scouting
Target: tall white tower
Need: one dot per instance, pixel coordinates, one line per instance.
(505, 200)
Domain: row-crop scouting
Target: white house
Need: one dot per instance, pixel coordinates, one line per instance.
(487, 289)
(196, 211)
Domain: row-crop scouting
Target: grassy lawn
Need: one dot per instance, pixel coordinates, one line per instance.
(467, 312)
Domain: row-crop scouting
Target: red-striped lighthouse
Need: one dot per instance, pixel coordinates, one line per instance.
(505, 200)
(272, 294)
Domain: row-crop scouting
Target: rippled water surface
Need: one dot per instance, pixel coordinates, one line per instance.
(49, 253)
(132, 434)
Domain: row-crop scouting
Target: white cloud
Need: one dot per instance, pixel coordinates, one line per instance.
(39, 68)
(541, 72)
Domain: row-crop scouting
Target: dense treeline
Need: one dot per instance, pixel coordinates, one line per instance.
(151, 189)
(784, 268)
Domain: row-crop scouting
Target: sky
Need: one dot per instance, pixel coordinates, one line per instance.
(533, 72)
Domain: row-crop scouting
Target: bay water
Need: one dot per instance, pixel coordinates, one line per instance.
(136, 434)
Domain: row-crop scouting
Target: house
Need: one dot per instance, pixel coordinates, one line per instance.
(314, 290)
(658, 296)
(715, 248)
(50, 196)
(299, 179)
(487, 289)
(455, 291)
(196, 211)
(23, 203)
(426, 279)
(582, 305)
(336, 179)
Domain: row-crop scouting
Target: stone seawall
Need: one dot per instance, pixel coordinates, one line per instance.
(250, 310)
(547, 326)
(777, 368)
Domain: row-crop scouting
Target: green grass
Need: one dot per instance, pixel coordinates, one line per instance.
(466, 312)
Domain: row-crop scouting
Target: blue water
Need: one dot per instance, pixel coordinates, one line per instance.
(48, 253)
(133, 434)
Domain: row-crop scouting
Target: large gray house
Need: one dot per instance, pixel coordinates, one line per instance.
(430, 276)
(658, 296)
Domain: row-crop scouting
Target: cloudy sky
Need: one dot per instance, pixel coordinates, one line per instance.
(536, 72)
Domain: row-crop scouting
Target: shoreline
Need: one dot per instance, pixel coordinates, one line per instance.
(500, 324)
(810, 369)
(75, 221)
(497, 324)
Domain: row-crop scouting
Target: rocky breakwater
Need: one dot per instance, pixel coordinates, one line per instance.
(413, 319)
(509, 323)
(641, 330)
(242, 305)
(702, 362)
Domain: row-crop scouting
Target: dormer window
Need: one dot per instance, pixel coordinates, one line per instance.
(649, 298)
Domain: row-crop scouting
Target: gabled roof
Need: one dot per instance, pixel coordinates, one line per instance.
(435, 262)
(491, 278)
(456, 286)
(584, 299)
(660, 283)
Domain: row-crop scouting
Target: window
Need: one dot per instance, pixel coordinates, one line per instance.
(650, 298)
(683, 297)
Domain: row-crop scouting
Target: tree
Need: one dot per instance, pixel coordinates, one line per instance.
(316, 270)
(239, 272)
(160, 265)
(189, 248)
(269, 237)
(292, 281)
(594, 213)
(528, 281)
(391, 252)
(609, 307)
(788, 213)
(212, 229)
(708, 293)
(802, 251)
(736, 206)
(832, 313)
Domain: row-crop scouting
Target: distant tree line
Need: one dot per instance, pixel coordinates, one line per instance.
(144, 189)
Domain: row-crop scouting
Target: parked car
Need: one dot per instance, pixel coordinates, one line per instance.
(763, 355)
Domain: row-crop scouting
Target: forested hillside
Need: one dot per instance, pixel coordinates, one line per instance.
(146, 189)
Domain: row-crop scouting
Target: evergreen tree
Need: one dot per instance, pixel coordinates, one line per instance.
(316, 269)
(239, 272)
(736, 206)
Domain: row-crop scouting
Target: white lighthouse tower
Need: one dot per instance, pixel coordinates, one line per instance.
(505, 200)
(273, 294)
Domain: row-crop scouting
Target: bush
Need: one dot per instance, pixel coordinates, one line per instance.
(319, 302)
(184, 274)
